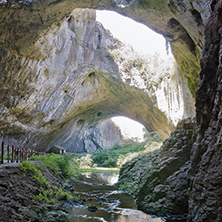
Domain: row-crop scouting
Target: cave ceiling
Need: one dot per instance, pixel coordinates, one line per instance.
(25, 23)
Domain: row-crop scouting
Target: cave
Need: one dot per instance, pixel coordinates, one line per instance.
(46, 88)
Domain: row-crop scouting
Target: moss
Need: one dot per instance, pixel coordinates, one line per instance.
(63, 166)
(27, 166)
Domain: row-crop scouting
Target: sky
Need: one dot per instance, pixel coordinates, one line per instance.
(144, 41)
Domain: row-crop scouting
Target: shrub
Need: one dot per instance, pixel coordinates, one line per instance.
(62, 166)
(61, 193)
(27, 166)
(44, 195)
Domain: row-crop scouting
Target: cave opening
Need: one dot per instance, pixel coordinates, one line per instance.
(130, 129)
(158, 78)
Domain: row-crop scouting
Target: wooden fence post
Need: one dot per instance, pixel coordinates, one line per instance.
(8, 153)
(2, 160)
(12, 154)
(20, 155)
(17, 155)
(25, 154)
(28, 154)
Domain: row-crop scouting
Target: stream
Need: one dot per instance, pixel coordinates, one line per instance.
(104, 202)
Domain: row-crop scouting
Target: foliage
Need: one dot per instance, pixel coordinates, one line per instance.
(61, 193)
(44, 195)
(62, 166)
(27, 166)
(99, 170)
(85, 161)
(117, 156)
(6, 156)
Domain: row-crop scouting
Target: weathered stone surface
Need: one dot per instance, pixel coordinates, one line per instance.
(181, 22)
(63, 97)
(206, 171)
(16, 197)
(34, 43)
(160, 78)
(202, 184)
(160, 179)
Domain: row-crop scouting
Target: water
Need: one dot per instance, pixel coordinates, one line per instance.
(103, 202)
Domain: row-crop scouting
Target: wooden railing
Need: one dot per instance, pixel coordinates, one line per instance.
(16, 155)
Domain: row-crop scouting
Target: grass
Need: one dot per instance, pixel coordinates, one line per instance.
(63, 166)
(27, 166)
(48, 194)
(99, 170)
(117, 156)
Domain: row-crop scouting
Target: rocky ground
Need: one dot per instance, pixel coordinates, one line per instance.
(160, 179)
(17, 189)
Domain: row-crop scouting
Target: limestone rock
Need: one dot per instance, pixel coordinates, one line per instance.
(182, 22)
(160, 179)
(63, 97)
(159, 78)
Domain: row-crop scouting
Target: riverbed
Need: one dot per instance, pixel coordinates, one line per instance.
(103, 202)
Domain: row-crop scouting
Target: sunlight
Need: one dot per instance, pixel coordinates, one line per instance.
(144, 41)
(130, 129)
(139, 36)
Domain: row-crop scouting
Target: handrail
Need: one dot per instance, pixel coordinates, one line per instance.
(16, 154)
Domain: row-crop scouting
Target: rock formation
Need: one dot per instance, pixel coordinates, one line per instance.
(62, 97)
(160, 78)
(23, 26)
(199, 180)
(160, 179)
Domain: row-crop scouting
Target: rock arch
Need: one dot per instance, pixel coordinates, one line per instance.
(36, 94)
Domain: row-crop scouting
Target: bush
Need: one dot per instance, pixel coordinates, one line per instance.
(62, 166)
(117, 156)
(109, 157)
(85, 161)
(27, 166)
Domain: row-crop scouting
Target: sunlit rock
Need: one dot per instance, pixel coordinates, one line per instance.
(74, 85)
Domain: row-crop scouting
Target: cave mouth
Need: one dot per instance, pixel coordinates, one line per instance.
(130, 129)
(140, 37)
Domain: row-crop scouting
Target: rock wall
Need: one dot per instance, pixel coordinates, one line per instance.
(206, 172)
(160, 179)
(196, 186)
(181, 22)
(160, 78)
(63, 97)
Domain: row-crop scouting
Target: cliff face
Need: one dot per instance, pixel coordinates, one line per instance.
(160, 78)
(206, 170)
(64, 96)
(181, 22)
(160, 179)
(29, 28)
(195, 185)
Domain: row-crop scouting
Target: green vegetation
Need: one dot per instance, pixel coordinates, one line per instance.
(48, 193)
(99, 170)
(27, 166)
(109, 157)
(63, 194)
(62, 166)
(117, 156)
(6, 156)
